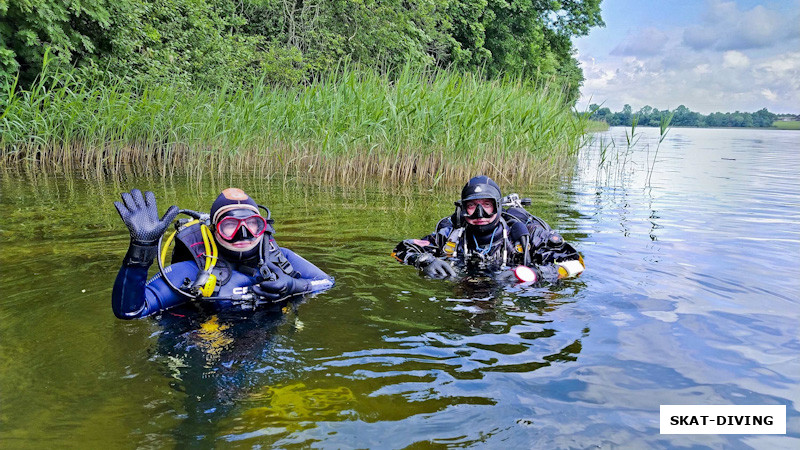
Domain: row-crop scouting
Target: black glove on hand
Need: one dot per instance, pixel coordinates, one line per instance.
(140, 215)
(282, 286)
(434, 267)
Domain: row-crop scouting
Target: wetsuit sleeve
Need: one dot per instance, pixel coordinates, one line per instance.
(134, 297)
(318, 280)
(410, 250)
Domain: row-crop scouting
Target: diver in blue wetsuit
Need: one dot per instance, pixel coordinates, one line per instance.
(226, 259)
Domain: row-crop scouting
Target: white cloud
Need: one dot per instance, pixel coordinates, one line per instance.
(769, 95)
(725, 82)
(788, 65)
(725, 27)
(646, 42)
(735, 60)
(701, 69)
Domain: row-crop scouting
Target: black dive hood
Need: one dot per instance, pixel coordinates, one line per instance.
(477, 188)
(229, 198)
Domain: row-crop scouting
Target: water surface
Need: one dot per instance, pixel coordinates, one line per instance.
(690, 297)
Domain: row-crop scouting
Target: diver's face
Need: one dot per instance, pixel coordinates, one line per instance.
(240, 230)
(471, 206)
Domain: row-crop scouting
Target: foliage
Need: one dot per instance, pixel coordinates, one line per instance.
(28, 27)
(682, 117)
(246, 42)
(359, 120)
(181, 41)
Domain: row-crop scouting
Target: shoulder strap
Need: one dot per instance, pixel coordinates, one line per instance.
(273, 254)
(189, 245)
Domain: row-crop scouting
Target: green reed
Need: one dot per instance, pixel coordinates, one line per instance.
(355, 124)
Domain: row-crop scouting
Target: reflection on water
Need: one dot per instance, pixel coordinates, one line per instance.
(690, 296)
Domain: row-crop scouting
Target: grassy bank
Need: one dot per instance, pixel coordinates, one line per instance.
(781, 125)
(596, 125)
(357, 125)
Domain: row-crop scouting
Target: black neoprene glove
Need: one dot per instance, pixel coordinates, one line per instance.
(434, 267)
(282, 286)
(140, 214)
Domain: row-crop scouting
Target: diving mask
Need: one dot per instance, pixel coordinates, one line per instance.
(240, 224)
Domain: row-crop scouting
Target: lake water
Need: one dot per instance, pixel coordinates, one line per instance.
(691, 296)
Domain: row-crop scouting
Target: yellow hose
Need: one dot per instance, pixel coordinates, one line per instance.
(165, 247)
(210, 247)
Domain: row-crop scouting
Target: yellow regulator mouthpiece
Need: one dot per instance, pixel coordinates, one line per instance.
(208, 289)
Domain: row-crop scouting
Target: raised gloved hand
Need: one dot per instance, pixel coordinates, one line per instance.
(434, 267)
(282, 286)
(140, 214)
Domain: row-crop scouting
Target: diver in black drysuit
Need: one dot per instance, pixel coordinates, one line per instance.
(483, 237)
(250, 268)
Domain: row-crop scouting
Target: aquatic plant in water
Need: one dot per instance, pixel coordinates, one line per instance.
(354, 124)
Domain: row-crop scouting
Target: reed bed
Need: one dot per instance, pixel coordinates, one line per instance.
(355, 125)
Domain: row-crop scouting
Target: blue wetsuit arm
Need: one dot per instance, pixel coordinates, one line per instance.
(134, 296)
(127, 297)
(318, 280)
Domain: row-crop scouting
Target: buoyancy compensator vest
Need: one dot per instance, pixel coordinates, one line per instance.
(195, 242)
(541, 245)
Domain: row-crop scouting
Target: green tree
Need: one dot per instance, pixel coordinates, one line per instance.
(764, 118)
(29, 27)
(218, 42)
(533, 38)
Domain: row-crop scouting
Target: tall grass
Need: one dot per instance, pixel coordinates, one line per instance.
(355, 124)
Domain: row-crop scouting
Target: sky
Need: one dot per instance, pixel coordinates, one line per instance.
(709, 55)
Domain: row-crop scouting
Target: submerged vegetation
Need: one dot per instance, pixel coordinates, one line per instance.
(354, 124)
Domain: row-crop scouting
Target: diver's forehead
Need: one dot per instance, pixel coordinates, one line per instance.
(239, 213)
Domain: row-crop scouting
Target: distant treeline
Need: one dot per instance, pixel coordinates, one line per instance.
(682, 117)
(241, 43)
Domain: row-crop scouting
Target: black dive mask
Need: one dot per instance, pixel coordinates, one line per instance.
(479, 213)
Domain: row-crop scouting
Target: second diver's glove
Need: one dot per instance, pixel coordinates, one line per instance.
(140, 214)
(282, 286)
(434, 267)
